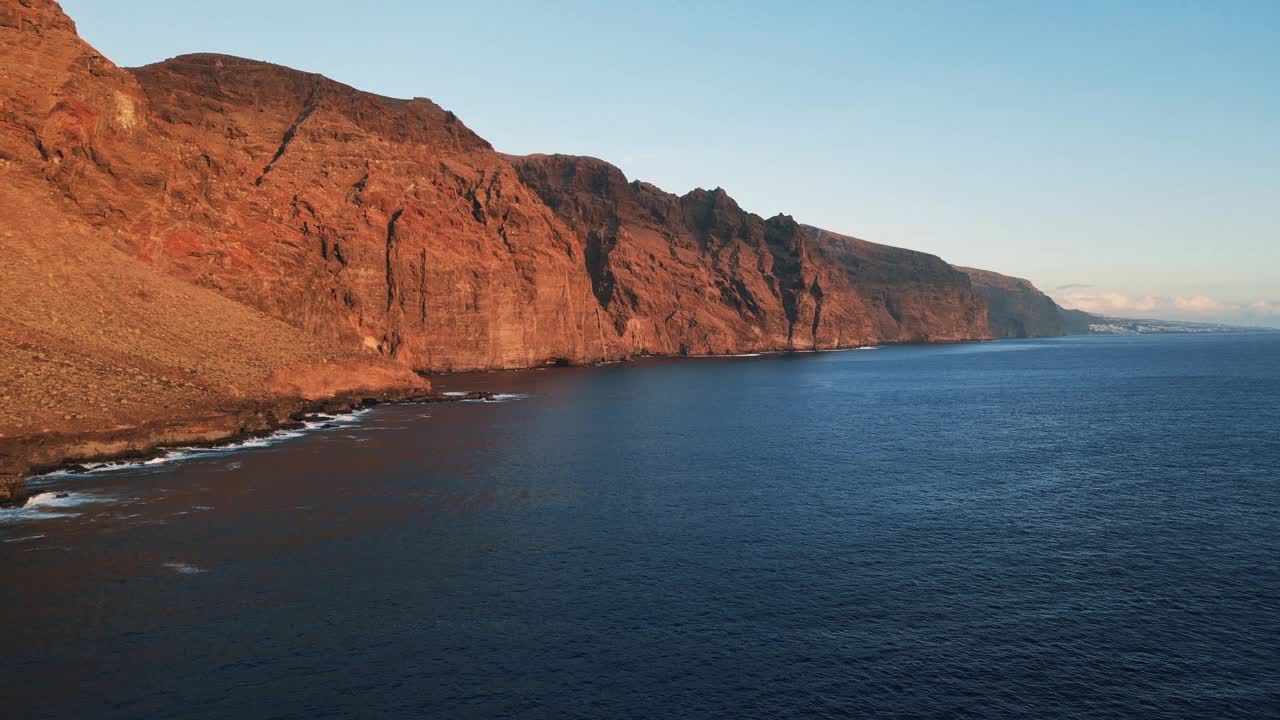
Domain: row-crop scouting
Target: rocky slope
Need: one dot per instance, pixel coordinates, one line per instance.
(1078, 322)
(217, 237)
(102, 349)
(1016, 308)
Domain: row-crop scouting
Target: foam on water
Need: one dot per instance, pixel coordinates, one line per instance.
(779, 352)
(51, 505)
(183, 568)
(177, 454)
(497, 397)
(24, 538)
(849, 349)
(501, 397)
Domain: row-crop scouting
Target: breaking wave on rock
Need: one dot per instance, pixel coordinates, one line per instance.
(501, 397)
(313, 422)
(47, 505)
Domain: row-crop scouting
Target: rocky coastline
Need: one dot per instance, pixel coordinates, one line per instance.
(25, 456)
(209, 247)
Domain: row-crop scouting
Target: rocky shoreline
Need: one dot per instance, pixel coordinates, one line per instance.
(197, 251)
(24, 456)
(28, 455)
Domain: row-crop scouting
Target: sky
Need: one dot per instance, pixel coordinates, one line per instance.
(1124, 157)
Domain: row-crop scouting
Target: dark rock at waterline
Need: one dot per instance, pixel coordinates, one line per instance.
(13, 491)
(24, 455)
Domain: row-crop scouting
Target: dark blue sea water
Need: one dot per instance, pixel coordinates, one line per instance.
(1073, 528)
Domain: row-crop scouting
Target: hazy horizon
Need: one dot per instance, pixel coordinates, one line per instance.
(1122, 159)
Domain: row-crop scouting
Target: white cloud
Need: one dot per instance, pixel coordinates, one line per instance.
(1203, 305)
(1175, 307)
(1106, 303)
(1263, 308)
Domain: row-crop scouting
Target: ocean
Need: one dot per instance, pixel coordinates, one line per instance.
(1063, 528)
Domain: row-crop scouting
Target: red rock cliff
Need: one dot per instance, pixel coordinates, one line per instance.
(195, 228)
(698, 274)
(363, 219)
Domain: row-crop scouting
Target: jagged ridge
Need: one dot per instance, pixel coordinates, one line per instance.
(696, 273)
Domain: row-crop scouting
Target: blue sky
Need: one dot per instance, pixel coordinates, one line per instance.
(1125, 157)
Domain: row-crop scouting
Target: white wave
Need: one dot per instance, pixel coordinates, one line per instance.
(45, 505)
(327, 420)
(500, 397)
(62, 500)
(25, 538)
(845, 349)
(320, 421)
(184, 568)
(169, 457)
(454, 393)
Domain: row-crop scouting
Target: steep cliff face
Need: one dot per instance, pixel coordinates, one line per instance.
(194, 235)
(697, 274)
(367, 220)
(907, 296)
(387, 225)
(1016, 308)
(70, 117)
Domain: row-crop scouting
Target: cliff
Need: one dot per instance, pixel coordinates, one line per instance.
(192, 238)
(1016, 308)
(697, 274)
